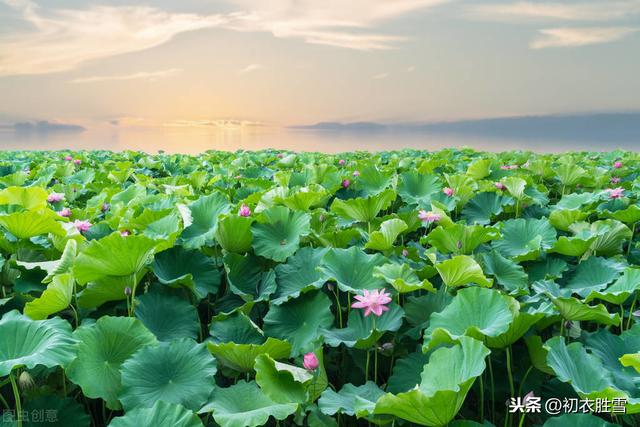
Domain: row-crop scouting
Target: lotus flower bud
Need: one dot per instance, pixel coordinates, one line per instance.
(65, 213)
(405, 253)
(615, 180)
(330, 287)
(448, 191)
(346, 183)
(25, 380)
(105, 207)
(310, 362)
(499, 185)
(617, 164)
(128, 291)
(321, 218)
(356, 173)
(388, 346)
(55, 197)
(125, 233)
(244, 211)
(68, 158)
(77, 161)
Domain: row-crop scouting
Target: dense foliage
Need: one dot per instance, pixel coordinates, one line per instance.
(270, 288)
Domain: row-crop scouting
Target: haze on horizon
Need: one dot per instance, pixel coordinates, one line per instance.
(245, 63)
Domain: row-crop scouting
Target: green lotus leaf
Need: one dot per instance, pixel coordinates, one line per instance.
(234, 233)
(27, 224)
(483, 207)
(179, 372)
(351, 400)
(522, 322)
(402, 278)
(189, 268)
(114, 255)
(236, 342)
(515, 186)
(383, 239)
(480, 168)
(506, 272)
(462, 270)
(305, 198)
(110, 288)
(352, 269)
(55, 412)
(538, 353)
(577, 420)
(610, 235)
(572, 246)
(610, 348)
(584, 371)
(523, 239)
(461, 239)
(594, 274)
(299, 274)
(475, 312)
(315, 418)
(573, 309)
(245, 405)
(363, 331)
(445, 382)
(204, 214)
(549, 268)
(620, 290)
(167, 317)
(55, 298)
(363, 209)
(102, 349)
(372, 180)
(629, 215)
(406, 372)
(300, 321)
(576, 200)
(29, 343)
(277, 233)
(417, 189)
(632, 360)
(161, 414)
(248, 277)
(241, 357)
(562, 219)
(162, 225)
(341, 238)
(53, 268)
(281, 382)
(31, 198)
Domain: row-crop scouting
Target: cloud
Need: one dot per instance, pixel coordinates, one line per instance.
(583, 11)
(411, 68)
(331, 22)
(573, 37)
(144, 75)
(62, 39)
(251, 67)
(380, 76)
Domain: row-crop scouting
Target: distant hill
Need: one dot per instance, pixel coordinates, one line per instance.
(46, 127)
(588, 127)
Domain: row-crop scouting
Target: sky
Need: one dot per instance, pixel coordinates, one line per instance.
(245, 63)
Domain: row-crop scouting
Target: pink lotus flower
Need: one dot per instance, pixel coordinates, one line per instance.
(617, 165)
(65, 213)
(68, 158)
(125, 233)
(77, 161)
(615, 180)
(448, 191)
(615, 193)
(244, 211)
(508, 167)
(428, 216)
(346, 183)
(373, 302)
(82, 225)
(341, 162)
(356, 173)
(310, 362)
(55, 197)
(499, 185)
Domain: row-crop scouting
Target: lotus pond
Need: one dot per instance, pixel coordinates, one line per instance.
(401, 288)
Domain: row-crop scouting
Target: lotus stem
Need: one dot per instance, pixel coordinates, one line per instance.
(510, 376)
(633, 305)
(622, 317)
(336, 292)
(633, 230)
(493, 400)
(366, 366)
(481, 398)
(4, 402)
(16, 396)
